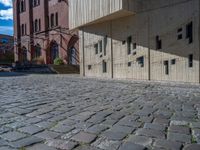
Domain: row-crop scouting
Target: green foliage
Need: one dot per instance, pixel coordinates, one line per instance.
(58, 61)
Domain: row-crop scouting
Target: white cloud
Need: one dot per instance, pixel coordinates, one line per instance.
(6, 30)
(6, 14)
(7, 3)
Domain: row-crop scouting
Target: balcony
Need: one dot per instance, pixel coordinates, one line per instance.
(86, 12)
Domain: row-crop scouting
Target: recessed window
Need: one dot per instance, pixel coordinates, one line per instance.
(105, 41)
(190, 60)
(100, 46)
(166, 64)
(129, 64)
(179, 32)
(189, 32)
(173, 61)
(140, 61)
(129, 41)
(96, 48)
(89, 67)
(134, 46)
(104, 66)
(158, 43)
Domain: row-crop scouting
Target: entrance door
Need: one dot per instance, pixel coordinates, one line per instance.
(54, 51)
(72, 56)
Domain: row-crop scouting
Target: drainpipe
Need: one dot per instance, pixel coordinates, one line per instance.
(111, 50)
(149, 51)
(83, 50)
(199, 41)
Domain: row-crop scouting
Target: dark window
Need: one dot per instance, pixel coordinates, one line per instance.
(180, 36)
(129, 41)
(173, 61)
(48, 25)
(39, 25)
(134, 46)
(105, 44)
(158, 43)
(52, 20)
(140, 61)
(22, 6)
(36, 25)
(104, 66)
(189, 32)
(22, 29)
(123, 42)
(190, 60)
(129, 64)
(89, 67)
(166, 64)
(100, 46)
(96, 48)
(56, 19)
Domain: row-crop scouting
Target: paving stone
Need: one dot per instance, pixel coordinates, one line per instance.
(45, 124)
(109, 122)
(26, 142)
(166, 144)
(47, 135)
(62, 128)
(61, 144)
(179, 137)
(86, 148)
(179, 129)
(105, 144)
(154, 126)
(122, 129)
(141, 140)
(96, 129)
(40, 147)
(70, 134)
(115, 136)
(84, 137)
(192, 147)
(32, 129)
(161, 121)
(13, 136)
(151, 133)
(131, 146)
(7, 148)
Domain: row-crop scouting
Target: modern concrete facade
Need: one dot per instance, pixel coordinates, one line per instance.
(41, 30)
(138, 39)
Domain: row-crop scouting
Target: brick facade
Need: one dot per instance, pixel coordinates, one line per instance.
(41, 31)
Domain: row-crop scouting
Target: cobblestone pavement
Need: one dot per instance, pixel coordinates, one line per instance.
(49, 112)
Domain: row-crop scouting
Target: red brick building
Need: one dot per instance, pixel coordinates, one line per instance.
(6, 49)
(41, 31)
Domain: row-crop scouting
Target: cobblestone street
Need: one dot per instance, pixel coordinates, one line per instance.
(59, 112)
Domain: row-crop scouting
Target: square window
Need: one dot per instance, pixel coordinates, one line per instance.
(173, 61)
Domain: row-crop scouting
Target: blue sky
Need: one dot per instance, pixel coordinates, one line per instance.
(6, 17)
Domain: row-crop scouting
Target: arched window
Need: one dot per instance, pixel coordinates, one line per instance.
(52, 20)
(24, 54)
(22, 6)
(37, 51)
(36, 25)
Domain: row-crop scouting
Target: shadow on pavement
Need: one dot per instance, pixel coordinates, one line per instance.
(11, 74)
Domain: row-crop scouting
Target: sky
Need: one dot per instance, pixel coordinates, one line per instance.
(6, 17)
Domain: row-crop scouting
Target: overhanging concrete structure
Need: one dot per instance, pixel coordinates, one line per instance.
(86, 12)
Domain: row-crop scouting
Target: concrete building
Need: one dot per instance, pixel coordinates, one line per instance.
(138, 39)
(6, 49)
(41, 31)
